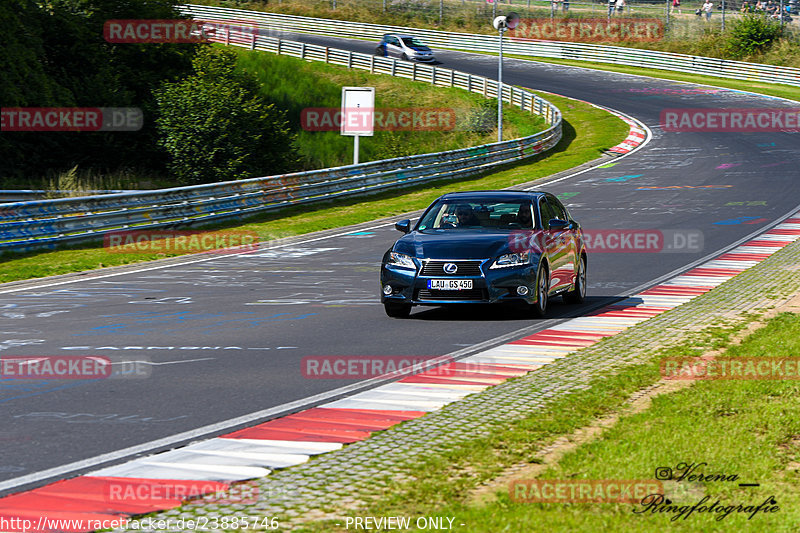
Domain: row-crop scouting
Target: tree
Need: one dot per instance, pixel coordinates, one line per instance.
(216, 127)
(752, 33)
(54, 55)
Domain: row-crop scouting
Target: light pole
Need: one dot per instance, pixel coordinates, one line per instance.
(503, 23)
(722, 2)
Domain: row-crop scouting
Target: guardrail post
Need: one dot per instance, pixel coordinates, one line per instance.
(279, 47)
(484, 88)
(350, 59)
(433, 76)
(326, 54)
(394, 67)
(452, 78)
(302, 50)
(414, 71)
(372, 64)
(469, 83)
(227, 37)
(253, 43)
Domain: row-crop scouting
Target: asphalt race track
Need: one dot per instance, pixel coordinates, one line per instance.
(224, 337)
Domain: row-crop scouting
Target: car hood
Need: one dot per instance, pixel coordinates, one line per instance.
(420, 48)
(454, 245)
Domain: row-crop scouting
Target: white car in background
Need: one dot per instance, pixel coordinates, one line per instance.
(406, 47)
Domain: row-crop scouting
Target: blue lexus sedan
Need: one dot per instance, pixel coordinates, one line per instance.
(486, 247)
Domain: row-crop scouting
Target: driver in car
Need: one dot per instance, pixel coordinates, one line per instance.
(466, 216)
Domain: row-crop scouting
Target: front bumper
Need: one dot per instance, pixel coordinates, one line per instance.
(490, 286)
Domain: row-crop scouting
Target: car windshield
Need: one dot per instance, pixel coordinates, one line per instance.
(412, 41)
(477, 214)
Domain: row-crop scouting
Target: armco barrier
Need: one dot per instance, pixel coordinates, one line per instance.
(47, 223)
(279, 23)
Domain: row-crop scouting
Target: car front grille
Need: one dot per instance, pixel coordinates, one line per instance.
(465, 268)
(434, 294)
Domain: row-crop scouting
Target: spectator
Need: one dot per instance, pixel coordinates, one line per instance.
(707, 7)
(746, 8)
(620, 6)
(771, 8)
(676, 6)
(611, 6)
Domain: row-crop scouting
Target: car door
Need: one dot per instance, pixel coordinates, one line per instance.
(393, 46)
(552, 244)
(567, 242)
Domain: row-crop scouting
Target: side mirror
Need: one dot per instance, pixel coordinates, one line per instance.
(403, 225)
(558, 224)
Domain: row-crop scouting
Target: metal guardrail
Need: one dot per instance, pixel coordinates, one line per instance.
(280, 23)
(48, 223)
(38, 194)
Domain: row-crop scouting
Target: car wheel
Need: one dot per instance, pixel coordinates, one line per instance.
(396, 310)
(539, 309)
(404, 57)
(578, 294)
(379, 51)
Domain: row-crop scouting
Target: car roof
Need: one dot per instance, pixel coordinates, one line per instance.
(493, 195)
(399, 35)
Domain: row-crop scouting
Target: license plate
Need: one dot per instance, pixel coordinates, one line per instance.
(450, 284)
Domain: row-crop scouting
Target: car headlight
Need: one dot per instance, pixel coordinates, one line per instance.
(511, 260)
(401, 260)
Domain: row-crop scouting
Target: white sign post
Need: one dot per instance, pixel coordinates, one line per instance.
(358, 114)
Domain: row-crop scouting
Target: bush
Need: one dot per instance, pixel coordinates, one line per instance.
(752, 33)
(216, 127)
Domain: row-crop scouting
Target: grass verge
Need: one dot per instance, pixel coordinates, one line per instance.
(587, 132)
(746, 429)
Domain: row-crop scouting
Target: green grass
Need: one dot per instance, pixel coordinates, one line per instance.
(293, 84)
(587, 132)
(746, 428)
